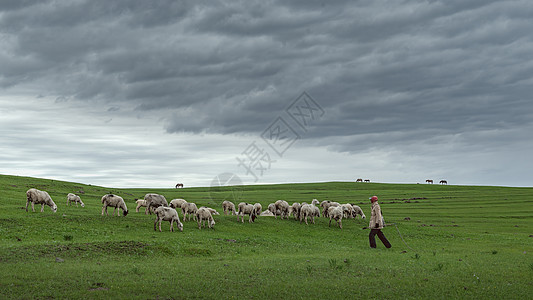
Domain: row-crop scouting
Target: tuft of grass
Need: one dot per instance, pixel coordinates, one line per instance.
(494, 251)
(68, 237)
(309, 269)
(439, 267)
(333, 264)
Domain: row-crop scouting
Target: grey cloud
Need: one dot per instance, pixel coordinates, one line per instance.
(416, 69)
(61, 99)
(10, 5)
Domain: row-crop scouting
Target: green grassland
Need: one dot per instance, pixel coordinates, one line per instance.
(460, 242)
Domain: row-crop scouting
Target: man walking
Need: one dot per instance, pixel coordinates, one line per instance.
(376, 224)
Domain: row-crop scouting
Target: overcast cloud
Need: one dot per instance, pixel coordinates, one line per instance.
(150, 93)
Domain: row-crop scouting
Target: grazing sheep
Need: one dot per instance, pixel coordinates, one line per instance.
(177, 203)
(140, 203)
(336, 212)
(213, 211)
(204, 214)
(74, 198)
(348, 211)
(153, 201)
(283, 208)
(326, 205)
(36, 196)
(315, 202)
(228, 206)
(295, 210)
(358, 211)
(189, 209)
(315, 211)
(273, 210)
(309, 210)
(258, 209)
(114, 201)
(164, 213)
(246, 209)
(305, 211)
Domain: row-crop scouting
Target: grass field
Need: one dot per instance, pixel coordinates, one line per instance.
(463, 242)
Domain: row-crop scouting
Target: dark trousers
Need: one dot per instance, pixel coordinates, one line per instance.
(381, 236)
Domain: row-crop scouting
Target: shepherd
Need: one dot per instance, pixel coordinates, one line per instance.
(376, 224)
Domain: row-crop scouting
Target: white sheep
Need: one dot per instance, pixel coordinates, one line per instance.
(305, 211)
(246, 209)
(258, 209)
(189, 209)
(295, 210)
(283, 208)
(140, 203)
(358, 211)
(309, 211)
(315, 202)
(74, 198)
(348, 210)
(36, 196)
(153, 201)
(315, 211)
(177, 203)
(164, 213)
(336, 213)
(204, 215)
(228, 206)
(114, 201)
(326, 205)
(213, 211)
(267, 213)
(272, 208)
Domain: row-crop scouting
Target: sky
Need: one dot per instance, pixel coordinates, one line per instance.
(154, 93)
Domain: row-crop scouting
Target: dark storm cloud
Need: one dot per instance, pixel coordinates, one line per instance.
(403, 71)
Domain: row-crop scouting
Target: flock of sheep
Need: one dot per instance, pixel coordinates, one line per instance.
(303, 211)
(165, 211)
